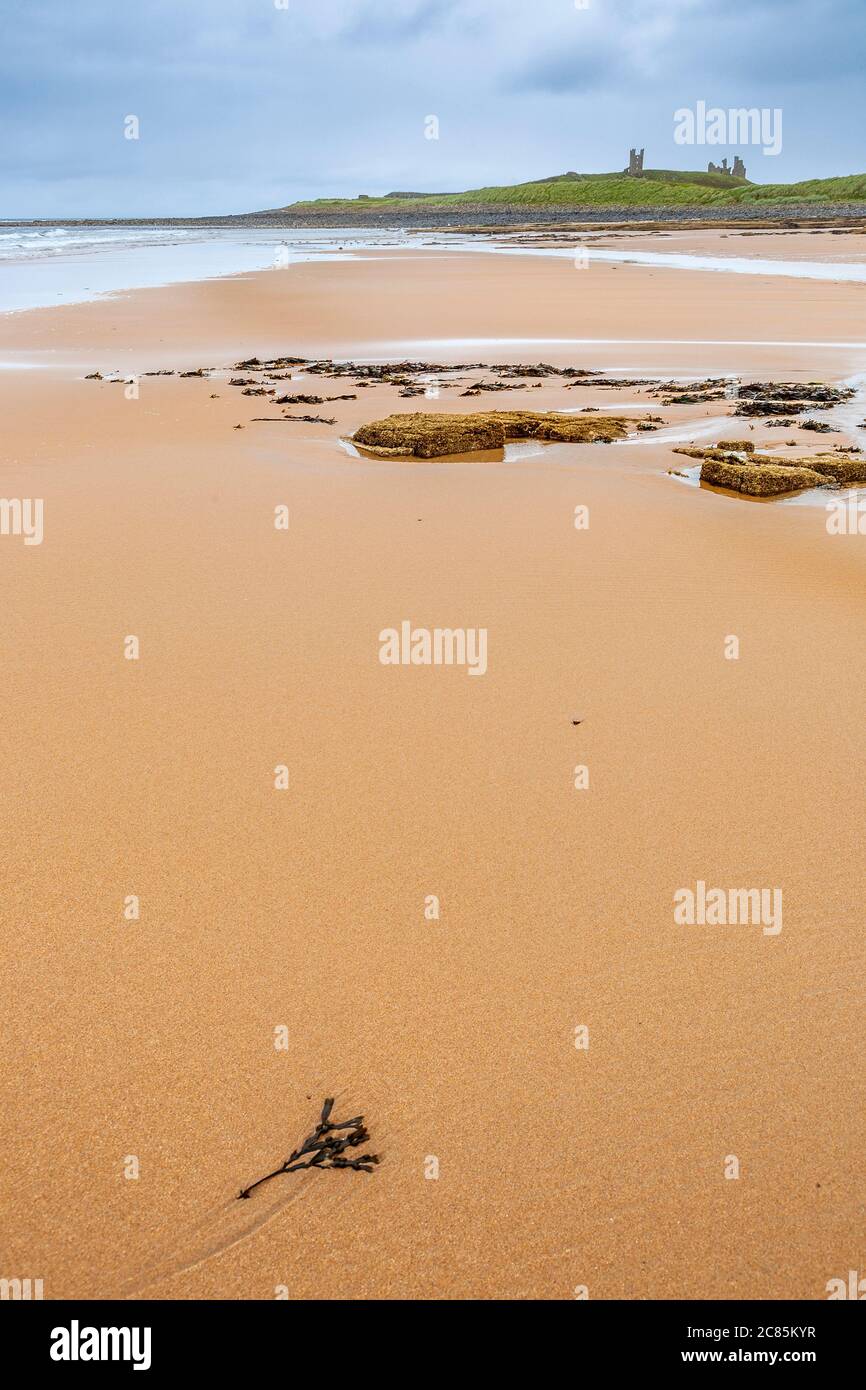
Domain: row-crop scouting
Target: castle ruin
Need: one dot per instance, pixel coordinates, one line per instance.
(635, 164)
(737, 172)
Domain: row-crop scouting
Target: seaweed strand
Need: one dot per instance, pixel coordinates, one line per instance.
(325, 1148)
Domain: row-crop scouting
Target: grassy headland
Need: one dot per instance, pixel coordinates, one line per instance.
(657, 188)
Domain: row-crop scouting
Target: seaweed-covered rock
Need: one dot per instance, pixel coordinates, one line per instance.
(737, 446)
(814, 391)
(434, 436)
(722, 455)
(759, 480)
(822, 470)
(480, 386)
(846, 471)
(765, 406)
(695, 398)
(786, 398)
(430, 436)
(567, 429)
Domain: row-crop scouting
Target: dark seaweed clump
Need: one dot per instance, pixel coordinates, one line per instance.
(326, 1147)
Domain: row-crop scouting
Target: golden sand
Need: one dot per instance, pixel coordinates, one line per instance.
(304, 908)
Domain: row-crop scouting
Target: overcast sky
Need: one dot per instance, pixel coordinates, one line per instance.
(249, 104)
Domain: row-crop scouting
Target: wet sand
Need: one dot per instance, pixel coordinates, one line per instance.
(558, 1167)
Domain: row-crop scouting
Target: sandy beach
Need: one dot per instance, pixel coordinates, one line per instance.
(557, 1167)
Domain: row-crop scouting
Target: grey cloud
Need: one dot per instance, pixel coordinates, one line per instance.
(244, 106)
(582, 69)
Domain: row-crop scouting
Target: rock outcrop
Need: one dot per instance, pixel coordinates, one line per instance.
(765, 480)
(770, 475)
(435, 436)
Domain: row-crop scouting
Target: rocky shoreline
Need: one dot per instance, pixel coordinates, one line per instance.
(482, 217)
(733, 464)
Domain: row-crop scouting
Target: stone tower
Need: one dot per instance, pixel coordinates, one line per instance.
(635, 164)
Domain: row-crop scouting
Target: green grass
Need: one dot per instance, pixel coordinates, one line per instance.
(849, 188)
(657, 188)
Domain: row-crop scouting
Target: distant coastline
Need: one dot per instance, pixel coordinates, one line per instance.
(658, 197)
(481, 218)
